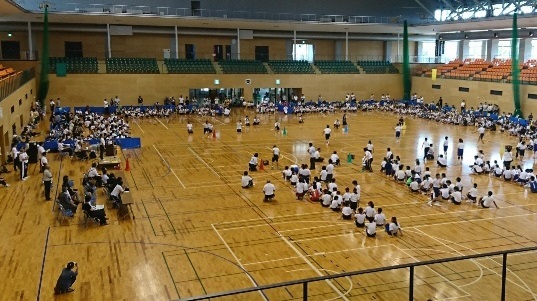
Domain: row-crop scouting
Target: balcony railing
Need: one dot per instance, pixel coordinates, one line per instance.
(499, 257)
(13, 82)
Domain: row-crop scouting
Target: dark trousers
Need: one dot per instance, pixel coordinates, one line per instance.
(48, 185)
(312, 163)
(24, 170)
(101, 152)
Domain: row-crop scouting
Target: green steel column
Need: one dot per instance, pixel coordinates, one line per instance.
(515, 72)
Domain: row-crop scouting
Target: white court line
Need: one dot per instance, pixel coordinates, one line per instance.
(314, 254)
(464, 211)
(291, 155)
(139, 127)
(238, 261)
(269, 217)
(313, 267)
(162, 123)
(171, 170)
(335, 272)
(439, 240)
(441, 276)
(473, 220)
(203, 161)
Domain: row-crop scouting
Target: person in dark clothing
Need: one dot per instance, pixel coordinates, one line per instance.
(67, 279)
(66, 201)
(94, 212)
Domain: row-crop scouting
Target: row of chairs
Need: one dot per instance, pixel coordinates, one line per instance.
(75, 64)
(180, 66)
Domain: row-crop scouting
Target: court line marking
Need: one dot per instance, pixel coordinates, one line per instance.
(457, 287)
(169, 167)
(441, 241)
(314, 254)
(139, 126)
(203, 161)
(238, 261)
(347, 277)
(313, 267)
(162, 123)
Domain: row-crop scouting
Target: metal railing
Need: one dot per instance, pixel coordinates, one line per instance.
(13, 82)
(410, 266)
(102, 8)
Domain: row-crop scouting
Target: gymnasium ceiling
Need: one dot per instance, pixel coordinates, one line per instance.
(388, 26)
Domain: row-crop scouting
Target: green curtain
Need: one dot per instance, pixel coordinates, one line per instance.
(45, 64)
(515, 72)
(406, 64)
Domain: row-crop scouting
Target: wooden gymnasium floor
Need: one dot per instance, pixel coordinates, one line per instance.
(196, 231)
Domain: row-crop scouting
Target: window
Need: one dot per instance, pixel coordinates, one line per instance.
(534, 49)
(12, 109)
(451, 51)
(20, 102)
(475, 49)
(504, 49)
(428, 50)
(303, 52)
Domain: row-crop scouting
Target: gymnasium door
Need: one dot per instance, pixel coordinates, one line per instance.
(262, 53)
(11, 50)
(73, 49)
(190, 51)
(218, 53)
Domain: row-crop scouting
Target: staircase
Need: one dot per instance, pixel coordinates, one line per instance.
(269, 71)
(217, 68)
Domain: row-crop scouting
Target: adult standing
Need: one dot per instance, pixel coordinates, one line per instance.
(446, 144)
(23, 159)
(425, 147)
(311, 151)
(460, 149)
(15, 156)
(481, 131)
(507, 157)
(47, 181)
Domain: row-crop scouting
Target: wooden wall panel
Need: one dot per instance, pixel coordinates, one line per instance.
(479, 92)
(83, 89)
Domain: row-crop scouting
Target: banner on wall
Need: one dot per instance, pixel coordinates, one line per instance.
(433, 74)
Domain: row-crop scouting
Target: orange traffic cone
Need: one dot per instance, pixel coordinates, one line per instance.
(261, 165)
(214, 134)
(127, 165)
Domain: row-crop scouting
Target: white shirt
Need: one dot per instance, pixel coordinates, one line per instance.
(414, 185)
(92, 172)
(481, 130)
(327, 199)
(117, 190)
(311, 151)
(400, 174)
(346, 211)
(370, 212)
(269, 189)
(380, 219)
(276, 151)
(253, 161)
(457, 196)
(394, 228)
(358, 191)
(442, 160)
(245, 180)
(371, 228)
(507, 156)
(327, 131)
(460, 145)
(360, 218)
(44, 161)
(330, 168)
(444, 192)
(323, 175)
(334, 157)
(473, 192)
(397, 128)
(301, 187)
(487, 201)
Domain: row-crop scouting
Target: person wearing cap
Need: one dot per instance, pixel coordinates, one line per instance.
(67, 279)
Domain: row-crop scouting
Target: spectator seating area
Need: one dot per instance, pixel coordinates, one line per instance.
(291, 67)
(336, 67)
(131, 65)
(181, 66)
(75, 64)
(242, 67)
(378, 67)
(5, 72)
(498, 70)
